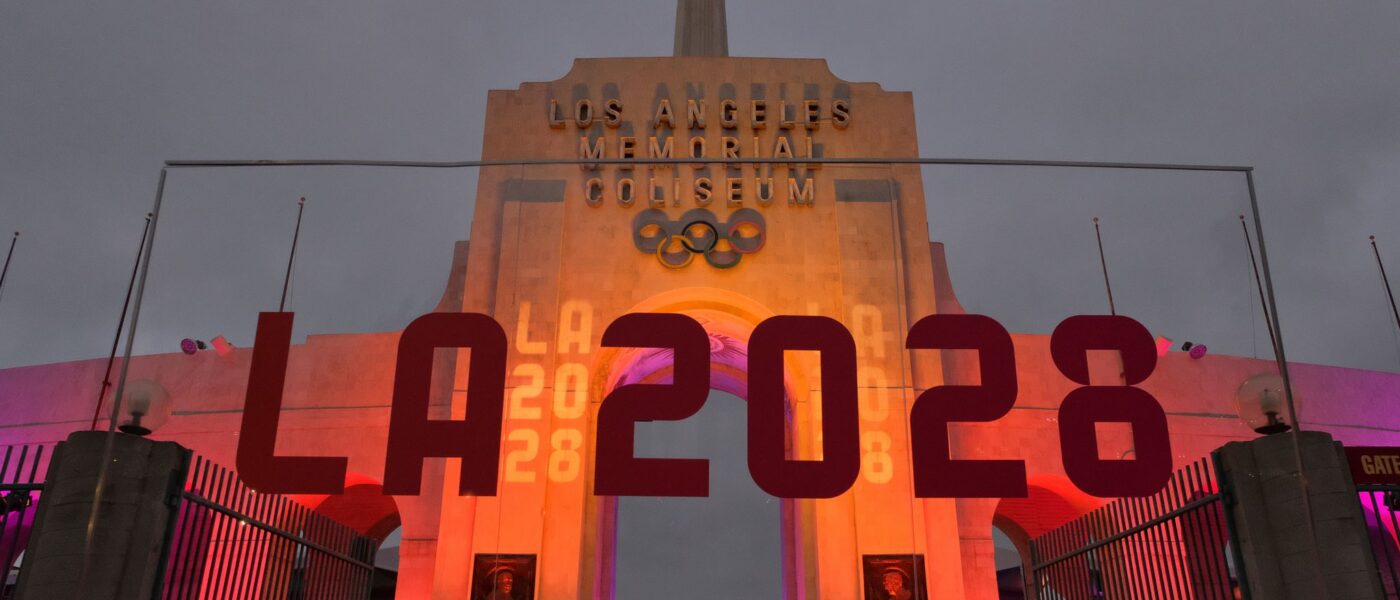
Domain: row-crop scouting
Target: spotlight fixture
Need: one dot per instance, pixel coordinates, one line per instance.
(222, 346)
(1195, 350)
(219, 344)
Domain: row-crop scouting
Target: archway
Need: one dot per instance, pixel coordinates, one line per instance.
(729, 319)
(683, 547)
(364, 507)
(1009, 560)
(386, 566)
(1051, 501)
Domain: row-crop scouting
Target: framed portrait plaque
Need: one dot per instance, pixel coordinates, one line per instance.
(503, 577)
(894, 577)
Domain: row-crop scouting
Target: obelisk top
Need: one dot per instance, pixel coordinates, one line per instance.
(701, 29)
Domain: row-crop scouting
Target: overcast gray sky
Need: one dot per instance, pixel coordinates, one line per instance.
(93, 96)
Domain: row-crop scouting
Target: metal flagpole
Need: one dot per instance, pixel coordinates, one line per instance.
(112, 358)
(8, 256)
(1104, 263)
(1386, 281)
(296, 233)
(1259, 283)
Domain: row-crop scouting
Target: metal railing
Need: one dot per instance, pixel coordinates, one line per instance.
(231, 542)
(1379, 503)
(1174, 544)
(21, 484)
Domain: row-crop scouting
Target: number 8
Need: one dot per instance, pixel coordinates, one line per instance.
(1091, 404)
(564, 461)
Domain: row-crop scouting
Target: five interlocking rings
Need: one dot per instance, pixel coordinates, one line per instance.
(699, 231)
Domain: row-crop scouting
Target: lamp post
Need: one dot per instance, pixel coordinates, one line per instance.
(148, 407)
(1259, 401)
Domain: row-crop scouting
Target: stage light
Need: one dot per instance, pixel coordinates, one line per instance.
(1195, 350)
(222, 346)
(1164, 345)
(218, 344)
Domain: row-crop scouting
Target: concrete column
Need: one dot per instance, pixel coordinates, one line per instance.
(975, 516)
(138, 502)
(417, 557)
(1279, 555)
(701, 29)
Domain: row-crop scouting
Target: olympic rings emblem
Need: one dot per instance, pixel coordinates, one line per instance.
(699, 231)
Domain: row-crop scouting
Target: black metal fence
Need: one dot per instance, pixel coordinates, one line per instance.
(231, 542)
(1379, 503)
(21, 483)
(1172, 545)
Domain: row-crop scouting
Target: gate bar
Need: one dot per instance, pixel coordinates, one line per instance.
(1194, 504)
(200, 500)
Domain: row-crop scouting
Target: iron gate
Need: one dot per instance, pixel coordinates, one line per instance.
(21, 484)
(231, 542)
(1174, 544)
(1379, 503)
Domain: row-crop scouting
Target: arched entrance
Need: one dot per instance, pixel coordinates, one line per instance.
(683, 548)
(728, 318)
(1050, 502)
(1009, 559)
(365, 508)
(386, 566)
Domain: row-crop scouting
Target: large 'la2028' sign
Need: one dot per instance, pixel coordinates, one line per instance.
(476, 440)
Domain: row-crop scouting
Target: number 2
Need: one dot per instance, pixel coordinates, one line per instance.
(936, 474)
(515, 473)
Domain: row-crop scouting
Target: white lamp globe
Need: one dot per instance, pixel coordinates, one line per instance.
(1260, 403)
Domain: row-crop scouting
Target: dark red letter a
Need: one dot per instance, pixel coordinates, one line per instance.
(477, 440)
